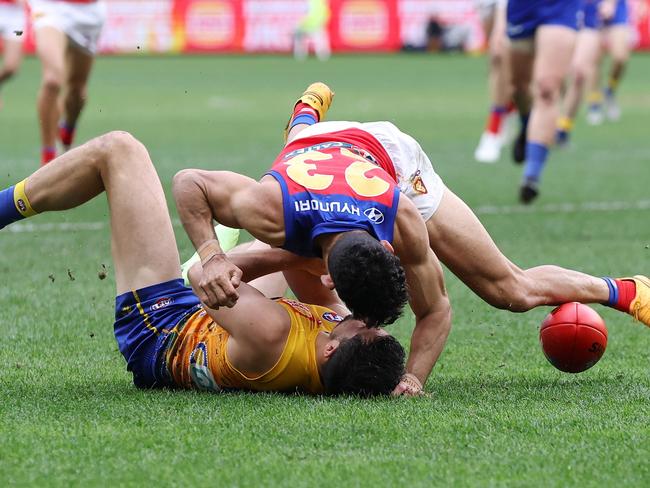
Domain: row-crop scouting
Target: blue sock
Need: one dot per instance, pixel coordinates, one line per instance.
(307, 119)
(536, 155)
(613, 291)
(8, 211)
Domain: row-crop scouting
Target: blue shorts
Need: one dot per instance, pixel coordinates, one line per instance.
(144, 319)
(591, 18)
(525, 16)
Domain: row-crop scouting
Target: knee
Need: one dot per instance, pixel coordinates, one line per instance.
(547, 89)
(52, 81)
(580, 74)
(117, 144)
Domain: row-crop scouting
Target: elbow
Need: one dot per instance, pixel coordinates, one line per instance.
(183, 182)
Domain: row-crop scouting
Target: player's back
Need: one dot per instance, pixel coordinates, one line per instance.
(335, 182)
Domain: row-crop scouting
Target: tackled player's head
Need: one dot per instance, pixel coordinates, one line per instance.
(368, 278)
(365, 362)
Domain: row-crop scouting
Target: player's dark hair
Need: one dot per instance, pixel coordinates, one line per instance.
(368, 278)
(364, 368)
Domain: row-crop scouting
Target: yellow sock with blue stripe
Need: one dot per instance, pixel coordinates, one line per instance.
(14, 205)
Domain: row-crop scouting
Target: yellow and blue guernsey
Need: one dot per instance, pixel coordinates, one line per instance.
(526, 16)
(168, 340)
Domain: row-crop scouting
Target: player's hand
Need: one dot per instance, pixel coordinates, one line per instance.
(606, 10)
(408, 386)
(219, 282)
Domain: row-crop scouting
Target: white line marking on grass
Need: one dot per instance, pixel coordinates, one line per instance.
(558, 208)
(22, 227)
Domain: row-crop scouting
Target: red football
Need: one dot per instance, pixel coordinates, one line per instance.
(573, 337)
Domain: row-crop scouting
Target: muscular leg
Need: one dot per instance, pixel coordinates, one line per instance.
(13, 55)
(521, 72)
(584, 65)
(499, 79)
(142, 239)
(50, 47)
(461, 242)
(489, 147)
(619, 49)
(554, 51)
(554, 47)
(78, 66)
(522, 56)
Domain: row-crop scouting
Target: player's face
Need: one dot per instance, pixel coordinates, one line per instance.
(351, 327)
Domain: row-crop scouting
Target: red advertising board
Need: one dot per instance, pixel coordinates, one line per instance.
(268, 25)
(208, 25)
(364, 25)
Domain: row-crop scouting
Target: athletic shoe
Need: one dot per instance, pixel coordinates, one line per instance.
(489, 148)
(528, 192)
(640, 306)
(595, 115)
(318, 96)
(228, 238)
(612, 109)
(519, 148)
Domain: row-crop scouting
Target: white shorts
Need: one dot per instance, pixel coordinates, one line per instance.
(81, 22)
(415, 175)
(12, 21)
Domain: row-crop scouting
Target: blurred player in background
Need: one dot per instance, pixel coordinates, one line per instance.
(66, 34)
(166, 335)
(493, 18)
(605, 27)
(542, 40)
(12, 26)
(312, 30)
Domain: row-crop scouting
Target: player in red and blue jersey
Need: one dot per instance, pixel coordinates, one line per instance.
(378, 157)
(542, 39)
(350, 191)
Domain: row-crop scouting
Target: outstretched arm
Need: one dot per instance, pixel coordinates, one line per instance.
(428, 297)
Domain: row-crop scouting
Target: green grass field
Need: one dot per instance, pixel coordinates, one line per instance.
(497, 415)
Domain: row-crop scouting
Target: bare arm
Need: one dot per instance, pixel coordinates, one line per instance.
(428, 297)
(258, 329)
(231, 199)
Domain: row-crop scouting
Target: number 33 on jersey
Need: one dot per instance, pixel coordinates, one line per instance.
(330, 187)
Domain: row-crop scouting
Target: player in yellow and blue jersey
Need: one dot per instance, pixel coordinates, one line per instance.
(604, 27)
(542, 39)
